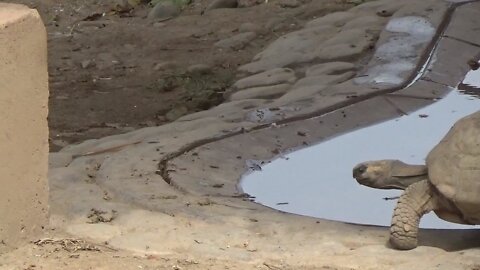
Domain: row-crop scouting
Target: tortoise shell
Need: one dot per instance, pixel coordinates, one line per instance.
(454, 167)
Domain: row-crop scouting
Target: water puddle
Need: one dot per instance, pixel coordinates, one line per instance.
(317, 181)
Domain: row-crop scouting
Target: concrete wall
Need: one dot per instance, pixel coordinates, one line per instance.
(23, 125)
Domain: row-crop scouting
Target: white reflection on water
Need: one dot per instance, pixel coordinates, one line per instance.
(317, 181)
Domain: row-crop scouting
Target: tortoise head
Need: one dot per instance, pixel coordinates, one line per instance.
(388, 174)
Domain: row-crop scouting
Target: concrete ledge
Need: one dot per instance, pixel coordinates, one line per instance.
(23, 122)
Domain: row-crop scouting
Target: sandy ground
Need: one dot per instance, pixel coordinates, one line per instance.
(167, 198)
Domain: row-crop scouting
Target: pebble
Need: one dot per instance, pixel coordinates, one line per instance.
(164, 10)
(87, 63)
(159, 24)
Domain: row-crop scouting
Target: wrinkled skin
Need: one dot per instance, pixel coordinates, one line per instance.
(388, 174)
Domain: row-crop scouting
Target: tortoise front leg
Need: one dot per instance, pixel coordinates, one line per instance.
(416, 201)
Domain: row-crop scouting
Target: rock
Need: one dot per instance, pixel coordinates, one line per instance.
(176, 113)
(236, 42)
(331, 68)
(159, 24)
(163, 66)
(199, 69)
(222, 4)
(249, 27)
(271, 91)
(289, 3)
(87, 63)
(164, 10)
(270, 77)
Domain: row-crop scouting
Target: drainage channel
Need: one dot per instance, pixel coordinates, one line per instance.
(317, 181)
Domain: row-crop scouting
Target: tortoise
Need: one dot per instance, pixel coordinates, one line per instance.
(449, 183)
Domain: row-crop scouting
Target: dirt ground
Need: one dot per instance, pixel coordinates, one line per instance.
(112, 71)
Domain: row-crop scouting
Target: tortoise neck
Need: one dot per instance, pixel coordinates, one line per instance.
(404, 182)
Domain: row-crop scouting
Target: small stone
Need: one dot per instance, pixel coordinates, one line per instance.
(87, 63)
(199, 69)
(222, 4)
(302, 133)
(159, 24)
(164, 10)
(384, 13)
